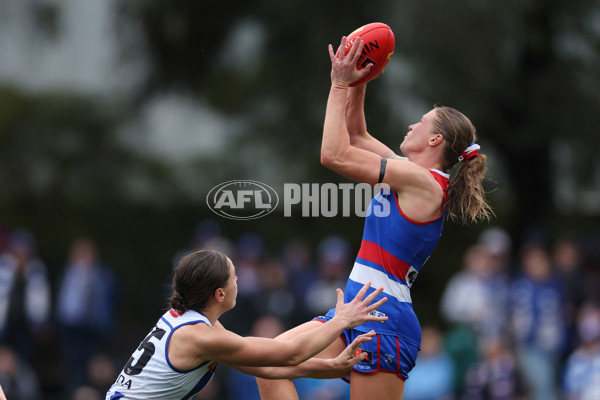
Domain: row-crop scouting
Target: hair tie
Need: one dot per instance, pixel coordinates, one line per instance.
(470, 152)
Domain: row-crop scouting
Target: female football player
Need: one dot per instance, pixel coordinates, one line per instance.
(179, 355)
(397, 242)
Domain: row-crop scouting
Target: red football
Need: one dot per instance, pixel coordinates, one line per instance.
(379, 47)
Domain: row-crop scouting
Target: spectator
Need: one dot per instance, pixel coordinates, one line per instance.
(333, 265)
(101, 372)
(582, 372)
(85, 309)
(205, 232)
(250, 252)
(592, 271)
(495, 376)
(249, 256)
(538, 321)
(499, 244)
(567, 259)
(208, 236)
(241, 386)
(24, 295)
(477, 295)
(296, 258)
(17, 378)
(275, 297)
(461, 344)
(433, 365)
(86, 393)
(475, 300)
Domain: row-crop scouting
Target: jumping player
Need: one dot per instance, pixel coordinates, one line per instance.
(178, 357)
(395, 244)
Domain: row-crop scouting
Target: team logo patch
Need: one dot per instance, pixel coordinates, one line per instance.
(411, 276)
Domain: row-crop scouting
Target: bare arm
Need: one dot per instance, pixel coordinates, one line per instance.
(338, 153)
(357, 125)
(317, 368)
(197, 343)
(230, 348)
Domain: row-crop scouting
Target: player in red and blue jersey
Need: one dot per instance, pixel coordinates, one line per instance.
(397, 239)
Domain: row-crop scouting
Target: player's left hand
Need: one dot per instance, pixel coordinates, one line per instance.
(348, 358)
(343, 66)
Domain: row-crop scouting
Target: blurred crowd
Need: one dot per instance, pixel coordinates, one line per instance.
(53, 334)
(516, 321)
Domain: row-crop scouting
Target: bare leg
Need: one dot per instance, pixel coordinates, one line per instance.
(284, 389)
(380, 386)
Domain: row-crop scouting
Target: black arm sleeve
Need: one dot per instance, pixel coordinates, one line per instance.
(382, 169)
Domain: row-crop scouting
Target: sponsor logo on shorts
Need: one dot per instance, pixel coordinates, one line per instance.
(368, 360)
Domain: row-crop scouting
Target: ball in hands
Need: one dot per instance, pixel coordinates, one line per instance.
(378, 49)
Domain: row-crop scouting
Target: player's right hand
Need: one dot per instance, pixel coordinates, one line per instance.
(358, 311)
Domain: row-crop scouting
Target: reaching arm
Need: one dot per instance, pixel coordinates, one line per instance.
(218, 344)
(337, 151)
(357, 126)
(316, 368)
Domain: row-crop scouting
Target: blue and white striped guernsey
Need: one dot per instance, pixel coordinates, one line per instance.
(149, 373)
(393, 251)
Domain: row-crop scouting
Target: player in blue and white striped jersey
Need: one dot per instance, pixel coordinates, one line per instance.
(179, 355)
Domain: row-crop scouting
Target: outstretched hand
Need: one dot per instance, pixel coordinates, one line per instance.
(348, 358)
(358, 311)
(343, 66)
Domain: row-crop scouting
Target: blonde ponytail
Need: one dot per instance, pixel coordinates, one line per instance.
(466, 196)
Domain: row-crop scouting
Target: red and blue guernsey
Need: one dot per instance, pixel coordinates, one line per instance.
(392, 253)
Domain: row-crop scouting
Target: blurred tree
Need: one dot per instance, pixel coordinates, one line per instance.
(256, 59)
(65, 173)
(507, 65)
(526, 72)
(523, 71)
(58, 146)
